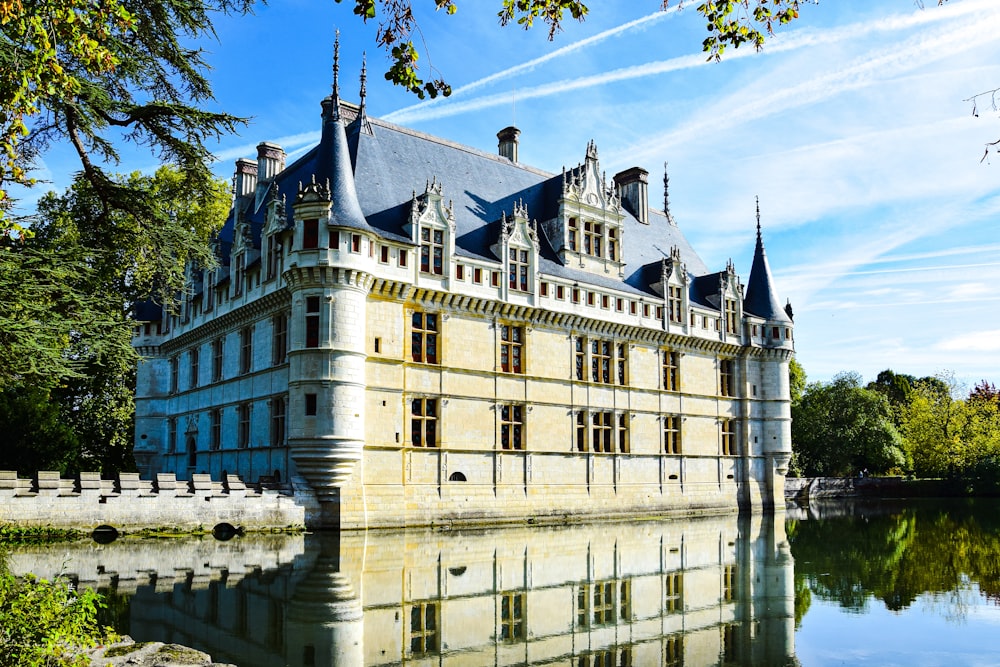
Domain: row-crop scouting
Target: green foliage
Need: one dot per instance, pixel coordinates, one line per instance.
(43, 623)
(841, 428)
(91, 72)
(796, 380)
(730, 23)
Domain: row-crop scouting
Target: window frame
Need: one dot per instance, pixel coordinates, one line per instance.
(424, 333)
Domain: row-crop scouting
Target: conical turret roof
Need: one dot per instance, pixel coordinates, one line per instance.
(760, 299)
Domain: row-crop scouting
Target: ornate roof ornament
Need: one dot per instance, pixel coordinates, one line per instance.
(666, 196)
(336, 76)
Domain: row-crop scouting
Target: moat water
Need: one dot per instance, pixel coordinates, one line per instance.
(915, 583)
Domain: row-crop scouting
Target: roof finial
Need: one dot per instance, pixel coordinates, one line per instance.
(757, 198)
(666, 195)
(336, 76)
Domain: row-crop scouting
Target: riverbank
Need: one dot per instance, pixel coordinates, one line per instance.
(149, 654)
(802, 489)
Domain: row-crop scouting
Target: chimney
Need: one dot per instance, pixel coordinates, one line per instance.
(245, 178)
(270, 160)
(508, 142)
(633, 188)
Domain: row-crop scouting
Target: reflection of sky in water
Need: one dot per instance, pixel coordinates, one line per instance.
(920, 636)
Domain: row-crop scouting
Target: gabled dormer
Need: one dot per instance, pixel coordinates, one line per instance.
(310, 211)
(274, 235)
(731, 302)
(517, 250)
(431, 226)
(673, 287)
(587, 232)
(242, 254)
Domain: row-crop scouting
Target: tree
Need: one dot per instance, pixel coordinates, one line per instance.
(94, 72)
(796, 380)
(932, 428)
(840, 428)
(730, 23)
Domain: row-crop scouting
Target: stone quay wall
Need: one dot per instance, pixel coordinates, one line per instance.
(128, 503)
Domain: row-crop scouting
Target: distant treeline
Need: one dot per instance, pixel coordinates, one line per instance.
(897, 424)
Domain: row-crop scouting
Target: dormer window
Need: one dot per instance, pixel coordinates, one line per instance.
(238, 273)
(674, 302)
(732, 317)
(310, 233)
(431, 251)
(518, 266)
(574, 231)
(274, 257)
(612, 245)
(592, 233)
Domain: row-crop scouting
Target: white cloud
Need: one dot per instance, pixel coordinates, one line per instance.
(976, 341)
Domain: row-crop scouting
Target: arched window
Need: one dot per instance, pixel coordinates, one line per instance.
(457, 477)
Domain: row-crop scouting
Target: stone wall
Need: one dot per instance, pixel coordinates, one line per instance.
(129, 503)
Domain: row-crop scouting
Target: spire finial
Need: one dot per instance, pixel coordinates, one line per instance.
(336, 76)
(757, 198)
(666, 194)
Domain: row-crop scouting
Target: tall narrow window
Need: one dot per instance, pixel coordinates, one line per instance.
(215, 432)
(173, 375)
(672, 434)
(239, 273)
(518, 266)
(512, 426)
(581, 431)
(623, 444)
(432, 251)
(728, 432)
(580, 356)
(243, 430)
(246, 350)
(194, 366)
(673, 600)
(279, 338)
(209, 290)
(512, 616)
(604, 602)
(217, 360)
(310, 406)
(274, 256)
(192, 452)
(424, 618)
(171, 435)
(278, 421)
(312, 321)
(592, 235)
(621, 360)
(424, 338)
(673, 651)
(310, 233)
(334, 239)
(670, 370)
(674, 303)
(732, 317)
(612, 245)
(401, 258)
(602, 425)
(600, 361)
(511, 348)
(729, 583)
(727, 382)
(356, 243)
(423, 423)
(573, 233)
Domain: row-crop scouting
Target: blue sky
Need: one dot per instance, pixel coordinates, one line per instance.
(880, 222)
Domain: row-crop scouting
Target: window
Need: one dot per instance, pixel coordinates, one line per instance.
(674, 303)
(424, 627)
(560, 292)
(673, 585)
(356, 243)
(477, 276)
(495, 278)
(310, 405)
(596, 603)
(277, 421)
(543, 289)
(581, 431)
(619, 304)
(194, 354)
(383, 254)
(729, 583)
(592, 234)
(518, 268)
(460, 272)
(511, 349)
(512, 426)
(732, 317)
(171, 435)
(238, 274)
(423, 422)
(246, 350)
(580, 356)
(600, 361)
(645, 310)
(209, 291)
(590, 298)
(215, 432)
(775, 333)
(424, 338)
(512, 616)
(623, 433)
(217, 359)
(612, 245)
(605, 300)
(312, 321)
(575, 296)
(673, 651)
(279, 338)
(334, 239)
(726, 380)
(672, 434)
(728, 431)
(310, 233)
(671, 366)
(173, 375)
(431, 251)
(274, 257)
(602, 425)
(621, 361)
(243, 433)
(401, 258)
(192, 452)
(573, 232)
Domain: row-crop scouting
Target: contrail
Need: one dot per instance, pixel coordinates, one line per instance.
(790, 41)
(403, 114)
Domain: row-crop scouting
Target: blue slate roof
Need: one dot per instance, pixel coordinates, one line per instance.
(760, 298)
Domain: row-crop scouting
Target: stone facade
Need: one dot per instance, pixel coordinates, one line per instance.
(426, 333)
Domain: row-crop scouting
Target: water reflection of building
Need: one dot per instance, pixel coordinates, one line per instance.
(713, 591)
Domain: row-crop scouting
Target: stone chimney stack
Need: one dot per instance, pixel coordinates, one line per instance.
(508, 142)
(270, 162)
(245, 178)
(633, 188)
